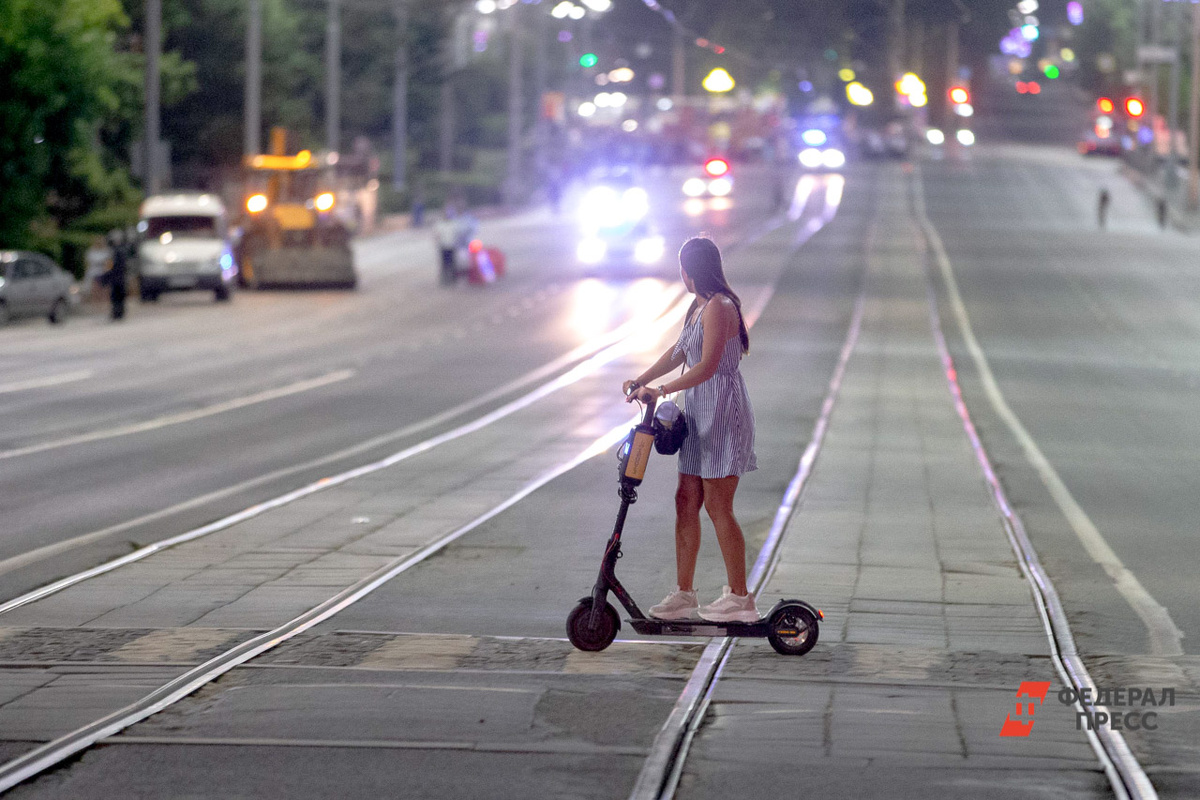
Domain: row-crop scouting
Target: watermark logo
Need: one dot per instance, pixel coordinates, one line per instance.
(1027, 693)
(1100, 707)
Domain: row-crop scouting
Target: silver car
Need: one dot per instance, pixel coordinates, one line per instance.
(33, 285)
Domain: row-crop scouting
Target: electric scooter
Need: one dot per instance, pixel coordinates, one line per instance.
(791, 626)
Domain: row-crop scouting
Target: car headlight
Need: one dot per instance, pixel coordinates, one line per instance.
(810, 157)
(719, 187)
(833, 158)
(591, 251)
(693, 187)
(600, 208)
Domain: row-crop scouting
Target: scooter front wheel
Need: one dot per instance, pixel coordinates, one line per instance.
(794, 630)
(583, 634)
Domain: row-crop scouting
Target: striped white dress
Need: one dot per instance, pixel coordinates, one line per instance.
(720, 440)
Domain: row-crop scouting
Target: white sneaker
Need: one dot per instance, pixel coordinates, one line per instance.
(731, 608)
(677, 605)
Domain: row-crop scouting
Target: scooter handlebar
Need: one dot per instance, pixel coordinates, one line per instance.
(648, 416)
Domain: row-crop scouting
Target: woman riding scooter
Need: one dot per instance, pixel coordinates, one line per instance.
(719, 447)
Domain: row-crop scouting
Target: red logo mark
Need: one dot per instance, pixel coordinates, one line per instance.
(1023, 724)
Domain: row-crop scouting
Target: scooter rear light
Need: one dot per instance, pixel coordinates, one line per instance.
(820, 613)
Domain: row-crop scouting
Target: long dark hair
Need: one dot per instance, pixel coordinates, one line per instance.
(701, 260)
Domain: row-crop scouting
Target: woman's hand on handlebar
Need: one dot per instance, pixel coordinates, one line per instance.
(628, 387)
(644, 394)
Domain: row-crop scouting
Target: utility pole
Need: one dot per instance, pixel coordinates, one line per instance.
(151, 134)
(1194, 127)
(678, 68)
(400, 100)
(951, 68)
(1176, 25)
(542, 131)
(252, 110)
(451, 63)
(512, 181)
(333, 77)
(895, 41)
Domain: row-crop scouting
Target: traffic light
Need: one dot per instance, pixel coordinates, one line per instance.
(1134, 107)
(959, 94)
(1105, 104)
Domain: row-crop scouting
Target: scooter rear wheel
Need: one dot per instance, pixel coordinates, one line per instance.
(580, 630)
(794, 630)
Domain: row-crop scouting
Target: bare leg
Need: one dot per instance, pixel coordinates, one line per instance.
(718, 502)
(689, 497)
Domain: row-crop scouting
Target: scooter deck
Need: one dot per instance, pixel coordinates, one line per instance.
(699, 627)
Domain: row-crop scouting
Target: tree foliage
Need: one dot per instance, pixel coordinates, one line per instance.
(61, 85)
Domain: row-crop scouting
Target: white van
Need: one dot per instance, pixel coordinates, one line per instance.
(184, 244)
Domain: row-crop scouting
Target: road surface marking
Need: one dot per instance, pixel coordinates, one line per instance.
(1165, 636)
(183, 416)
(49, 380)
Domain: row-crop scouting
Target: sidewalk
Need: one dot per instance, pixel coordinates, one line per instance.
(929, 625)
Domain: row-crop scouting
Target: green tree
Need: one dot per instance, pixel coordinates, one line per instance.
(61, 82)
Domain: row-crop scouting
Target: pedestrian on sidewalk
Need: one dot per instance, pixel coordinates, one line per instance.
(118, 274)
(719, 447)
(1102, 209)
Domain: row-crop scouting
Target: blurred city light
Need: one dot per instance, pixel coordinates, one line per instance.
(621, 75)
(814, 137)
(694, 187)
(718, 81)
(324, 201)
(1075, 13)
(649, 250)
(587, 109)
(934, 136)
(599, 6)
(858, 94)
(810, 157)
(846, 74)
(1052, 72)
(965, 138)
(590, 251)
(1134, 107)
(577, 12)
(964, 109)
(560, 11)
(664, 104)
(256, 203)
(719, 187)
(1027, 6)
(1030, 32)
(959, 94)
(588, 60)
(833, 159)
(485, 6)
(1067, 54)
(1106, 105)
(716, 166)
(629, 125)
